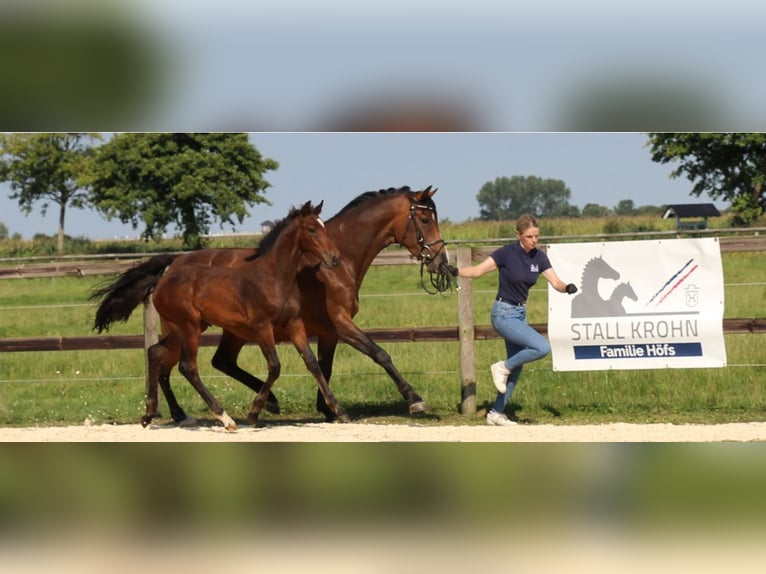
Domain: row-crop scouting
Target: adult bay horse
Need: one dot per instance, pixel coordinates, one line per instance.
(251, 301)
(329, 297)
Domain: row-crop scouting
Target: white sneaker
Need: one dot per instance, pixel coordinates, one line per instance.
(499, 419)
(500, 375)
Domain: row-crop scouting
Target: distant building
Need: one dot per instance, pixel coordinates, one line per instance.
(697, 212)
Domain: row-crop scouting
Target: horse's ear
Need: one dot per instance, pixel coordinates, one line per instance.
(318, 208)
(306, 208)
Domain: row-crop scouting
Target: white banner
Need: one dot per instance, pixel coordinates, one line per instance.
(639, 305)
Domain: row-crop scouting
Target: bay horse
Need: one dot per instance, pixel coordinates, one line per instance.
(329, 298)
(251, 301)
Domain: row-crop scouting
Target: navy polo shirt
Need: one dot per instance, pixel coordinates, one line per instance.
(518, 270)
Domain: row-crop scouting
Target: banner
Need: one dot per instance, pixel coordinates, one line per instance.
(640, 305)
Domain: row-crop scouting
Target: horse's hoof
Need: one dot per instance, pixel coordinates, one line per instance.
(273, 407)
(419, 407)
(227, 422)
(344, 418)
(146, 420)
(328, 413)
(188, 422)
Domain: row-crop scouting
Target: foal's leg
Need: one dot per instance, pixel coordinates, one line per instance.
(225, 360)
(179, 415)
(162, 357)
(154, 356)
(189, 369)
(300, 340)
(269, 350)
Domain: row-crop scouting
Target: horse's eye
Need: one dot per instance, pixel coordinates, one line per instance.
(425, 220)
(312, 230)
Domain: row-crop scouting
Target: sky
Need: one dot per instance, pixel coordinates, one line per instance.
(300, 65)
(541, 81)
(527, 65)
(601, 168)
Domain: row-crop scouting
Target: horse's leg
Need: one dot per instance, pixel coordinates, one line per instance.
(351, 334)
(176, 412)
(162, 357)
(189, 369)
(225, 360)
(154, 356)
(300, 340)
(326, 347)
(269, 350)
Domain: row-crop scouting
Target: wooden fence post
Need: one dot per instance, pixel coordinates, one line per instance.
(151, 331)
(466, 336)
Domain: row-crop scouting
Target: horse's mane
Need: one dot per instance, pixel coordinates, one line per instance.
(270, 238)
(372, 195)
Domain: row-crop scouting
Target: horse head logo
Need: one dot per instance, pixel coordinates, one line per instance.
(589, 303)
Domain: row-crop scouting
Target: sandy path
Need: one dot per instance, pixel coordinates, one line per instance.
(370, 432)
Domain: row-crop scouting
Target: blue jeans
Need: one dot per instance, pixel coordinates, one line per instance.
(522, 345)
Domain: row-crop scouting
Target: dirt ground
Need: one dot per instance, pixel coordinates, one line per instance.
(371, 432)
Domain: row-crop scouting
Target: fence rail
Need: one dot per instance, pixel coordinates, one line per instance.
(81, 266)
(91, 268)
(382, 335)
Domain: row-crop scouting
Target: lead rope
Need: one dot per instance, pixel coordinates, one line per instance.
(441, 282)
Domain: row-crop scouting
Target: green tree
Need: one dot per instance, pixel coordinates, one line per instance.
(625, 207)
(507, 198)
(731, 166)
(186, 179)
(47, 167)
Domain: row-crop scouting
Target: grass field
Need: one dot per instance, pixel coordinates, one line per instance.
(108, 386)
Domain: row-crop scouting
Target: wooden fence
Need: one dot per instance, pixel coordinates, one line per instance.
(81, 266)
(465, 332)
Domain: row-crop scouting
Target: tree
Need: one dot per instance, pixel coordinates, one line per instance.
(187, 179)
(507, 198)
(625, 207)
(47, 167)
(731, 166)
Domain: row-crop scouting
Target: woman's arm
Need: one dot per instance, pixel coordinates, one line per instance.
(557, 283)
(479, 269)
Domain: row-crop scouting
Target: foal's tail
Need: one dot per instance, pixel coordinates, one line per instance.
(128, 291)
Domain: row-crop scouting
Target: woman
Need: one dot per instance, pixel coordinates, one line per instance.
(519, 265)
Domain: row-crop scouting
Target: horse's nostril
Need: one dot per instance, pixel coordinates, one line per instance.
(335, 261)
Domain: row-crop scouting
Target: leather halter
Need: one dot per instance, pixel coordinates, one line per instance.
(426, 255)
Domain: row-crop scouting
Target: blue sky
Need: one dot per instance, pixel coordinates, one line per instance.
(296, 66)
(522, 66)
(601, 168)
(518, 66)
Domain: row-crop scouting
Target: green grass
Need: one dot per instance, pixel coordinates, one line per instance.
(71, 387)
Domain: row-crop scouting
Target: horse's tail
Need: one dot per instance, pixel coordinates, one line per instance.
(128, 291)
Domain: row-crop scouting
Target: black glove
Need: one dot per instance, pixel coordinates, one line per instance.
(451, 269)
(571, 288)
